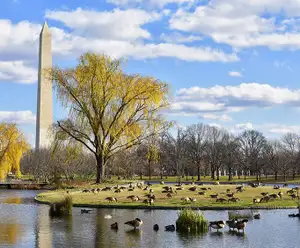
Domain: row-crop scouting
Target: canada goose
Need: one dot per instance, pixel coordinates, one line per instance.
(93, 191)
(256, 200)
(169, 195)
(156, 227)
(164, 191)
(280, 194)
(290, 191)
(186, 199)
(230, 195)
(296, 188)
(214, 195)
(146, 188)
(114, 226)
(274, 196)
(240, 225)
(118, 190)
(133, 197)
(85, 211)
(231, 224)
(227, 190)
(134, 223)
(193, 188)
(131, 189)
(107, 188)
(201, 193)
(276, 187)
(293, 196)
(216, 183)
(111, 199)
(170, 228)
(149, 201)
(85, 191)
(193, 199)
(204, 188)
(285, 185)
(265, 199)
(151, 190)
(98, 190)
(256, 216)
(162, 182)
(179, 188)
(264, 193)
(166, 188)
(221, 200)
(233, 199)
(294, 215)
(217, 224)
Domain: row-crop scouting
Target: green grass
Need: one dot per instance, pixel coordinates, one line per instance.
(205, 201)
(191, 221)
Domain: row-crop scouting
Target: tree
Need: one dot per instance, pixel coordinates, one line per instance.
(12, 145)
(251, 145)
(196, 142)
(109, 111)
(231, 154)
(291, 142)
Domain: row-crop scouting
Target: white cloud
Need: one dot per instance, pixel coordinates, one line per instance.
(17, 71)
(222, 117)
(235, 74)
(222, 20)
(215, 125)
(116, 24)
(151, 3)
(18, 117)
(218, 99)
(243, 126)
(176, 37)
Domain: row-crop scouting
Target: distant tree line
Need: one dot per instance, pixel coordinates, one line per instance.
(200, 152)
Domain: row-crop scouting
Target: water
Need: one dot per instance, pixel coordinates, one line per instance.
(24, 223)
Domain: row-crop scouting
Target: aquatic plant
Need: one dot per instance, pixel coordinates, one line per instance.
(240, 214)
(62, 207)
(191, 221)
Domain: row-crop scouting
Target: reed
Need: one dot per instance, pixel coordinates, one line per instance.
(191, 221)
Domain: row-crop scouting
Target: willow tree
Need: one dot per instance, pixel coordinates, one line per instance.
(12, 146)
(108, 110)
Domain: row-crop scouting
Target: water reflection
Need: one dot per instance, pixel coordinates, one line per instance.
(9, 233)
(28, 225)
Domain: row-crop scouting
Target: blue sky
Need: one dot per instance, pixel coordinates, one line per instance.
(229, 63)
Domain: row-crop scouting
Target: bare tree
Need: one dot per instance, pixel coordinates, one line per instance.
(196, 142)
(251, 144)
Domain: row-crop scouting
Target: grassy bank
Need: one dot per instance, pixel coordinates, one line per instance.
(162, 201)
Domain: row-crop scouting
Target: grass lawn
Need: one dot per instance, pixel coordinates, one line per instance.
(205, 201)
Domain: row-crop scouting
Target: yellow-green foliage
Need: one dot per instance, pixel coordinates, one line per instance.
(191, 221)
(12, 146)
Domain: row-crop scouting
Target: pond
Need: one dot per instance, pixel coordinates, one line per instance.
(23, 223)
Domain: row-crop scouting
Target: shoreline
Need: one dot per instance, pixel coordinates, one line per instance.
(116, 206)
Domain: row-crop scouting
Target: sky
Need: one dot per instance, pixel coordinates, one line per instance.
(229, 63)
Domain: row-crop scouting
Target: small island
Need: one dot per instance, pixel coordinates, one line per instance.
(171, 196)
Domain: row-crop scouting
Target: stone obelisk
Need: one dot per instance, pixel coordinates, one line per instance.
(44, 97)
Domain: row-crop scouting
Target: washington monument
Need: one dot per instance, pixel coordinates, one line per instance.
(44, 95)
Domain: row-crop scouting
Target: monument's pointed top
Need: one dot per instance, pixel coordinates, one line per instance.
(45, 29)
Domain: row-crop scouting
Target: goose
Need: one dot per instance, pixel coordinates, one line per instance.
(193, 199)
(114, 226)
(256, 200)
(217, 224)
(201, 193)
(227, 190)
(193, 188)
(285, 185)
(118, 190)
(85, 211)
(169, 195)
(156, 227)
(256, 216)
(240, 225)
(231, 224)
(162, 182)
(293, 196)
(214, 196)
(294, 215)
(264, 193)
(280, 194)
(234, 199)
(85, 191)
(111, 199)
(221, 200)
(186, 199)
(274, 196)
(170, 228)
(276, 187)
(151, 191)
(134, 223)
(230, 195)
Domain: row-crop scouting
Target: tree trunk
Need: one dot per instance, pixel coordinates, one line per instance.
(100, 166)
(276, 175)
(198, 172)
(149, 169)
(229, 174)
